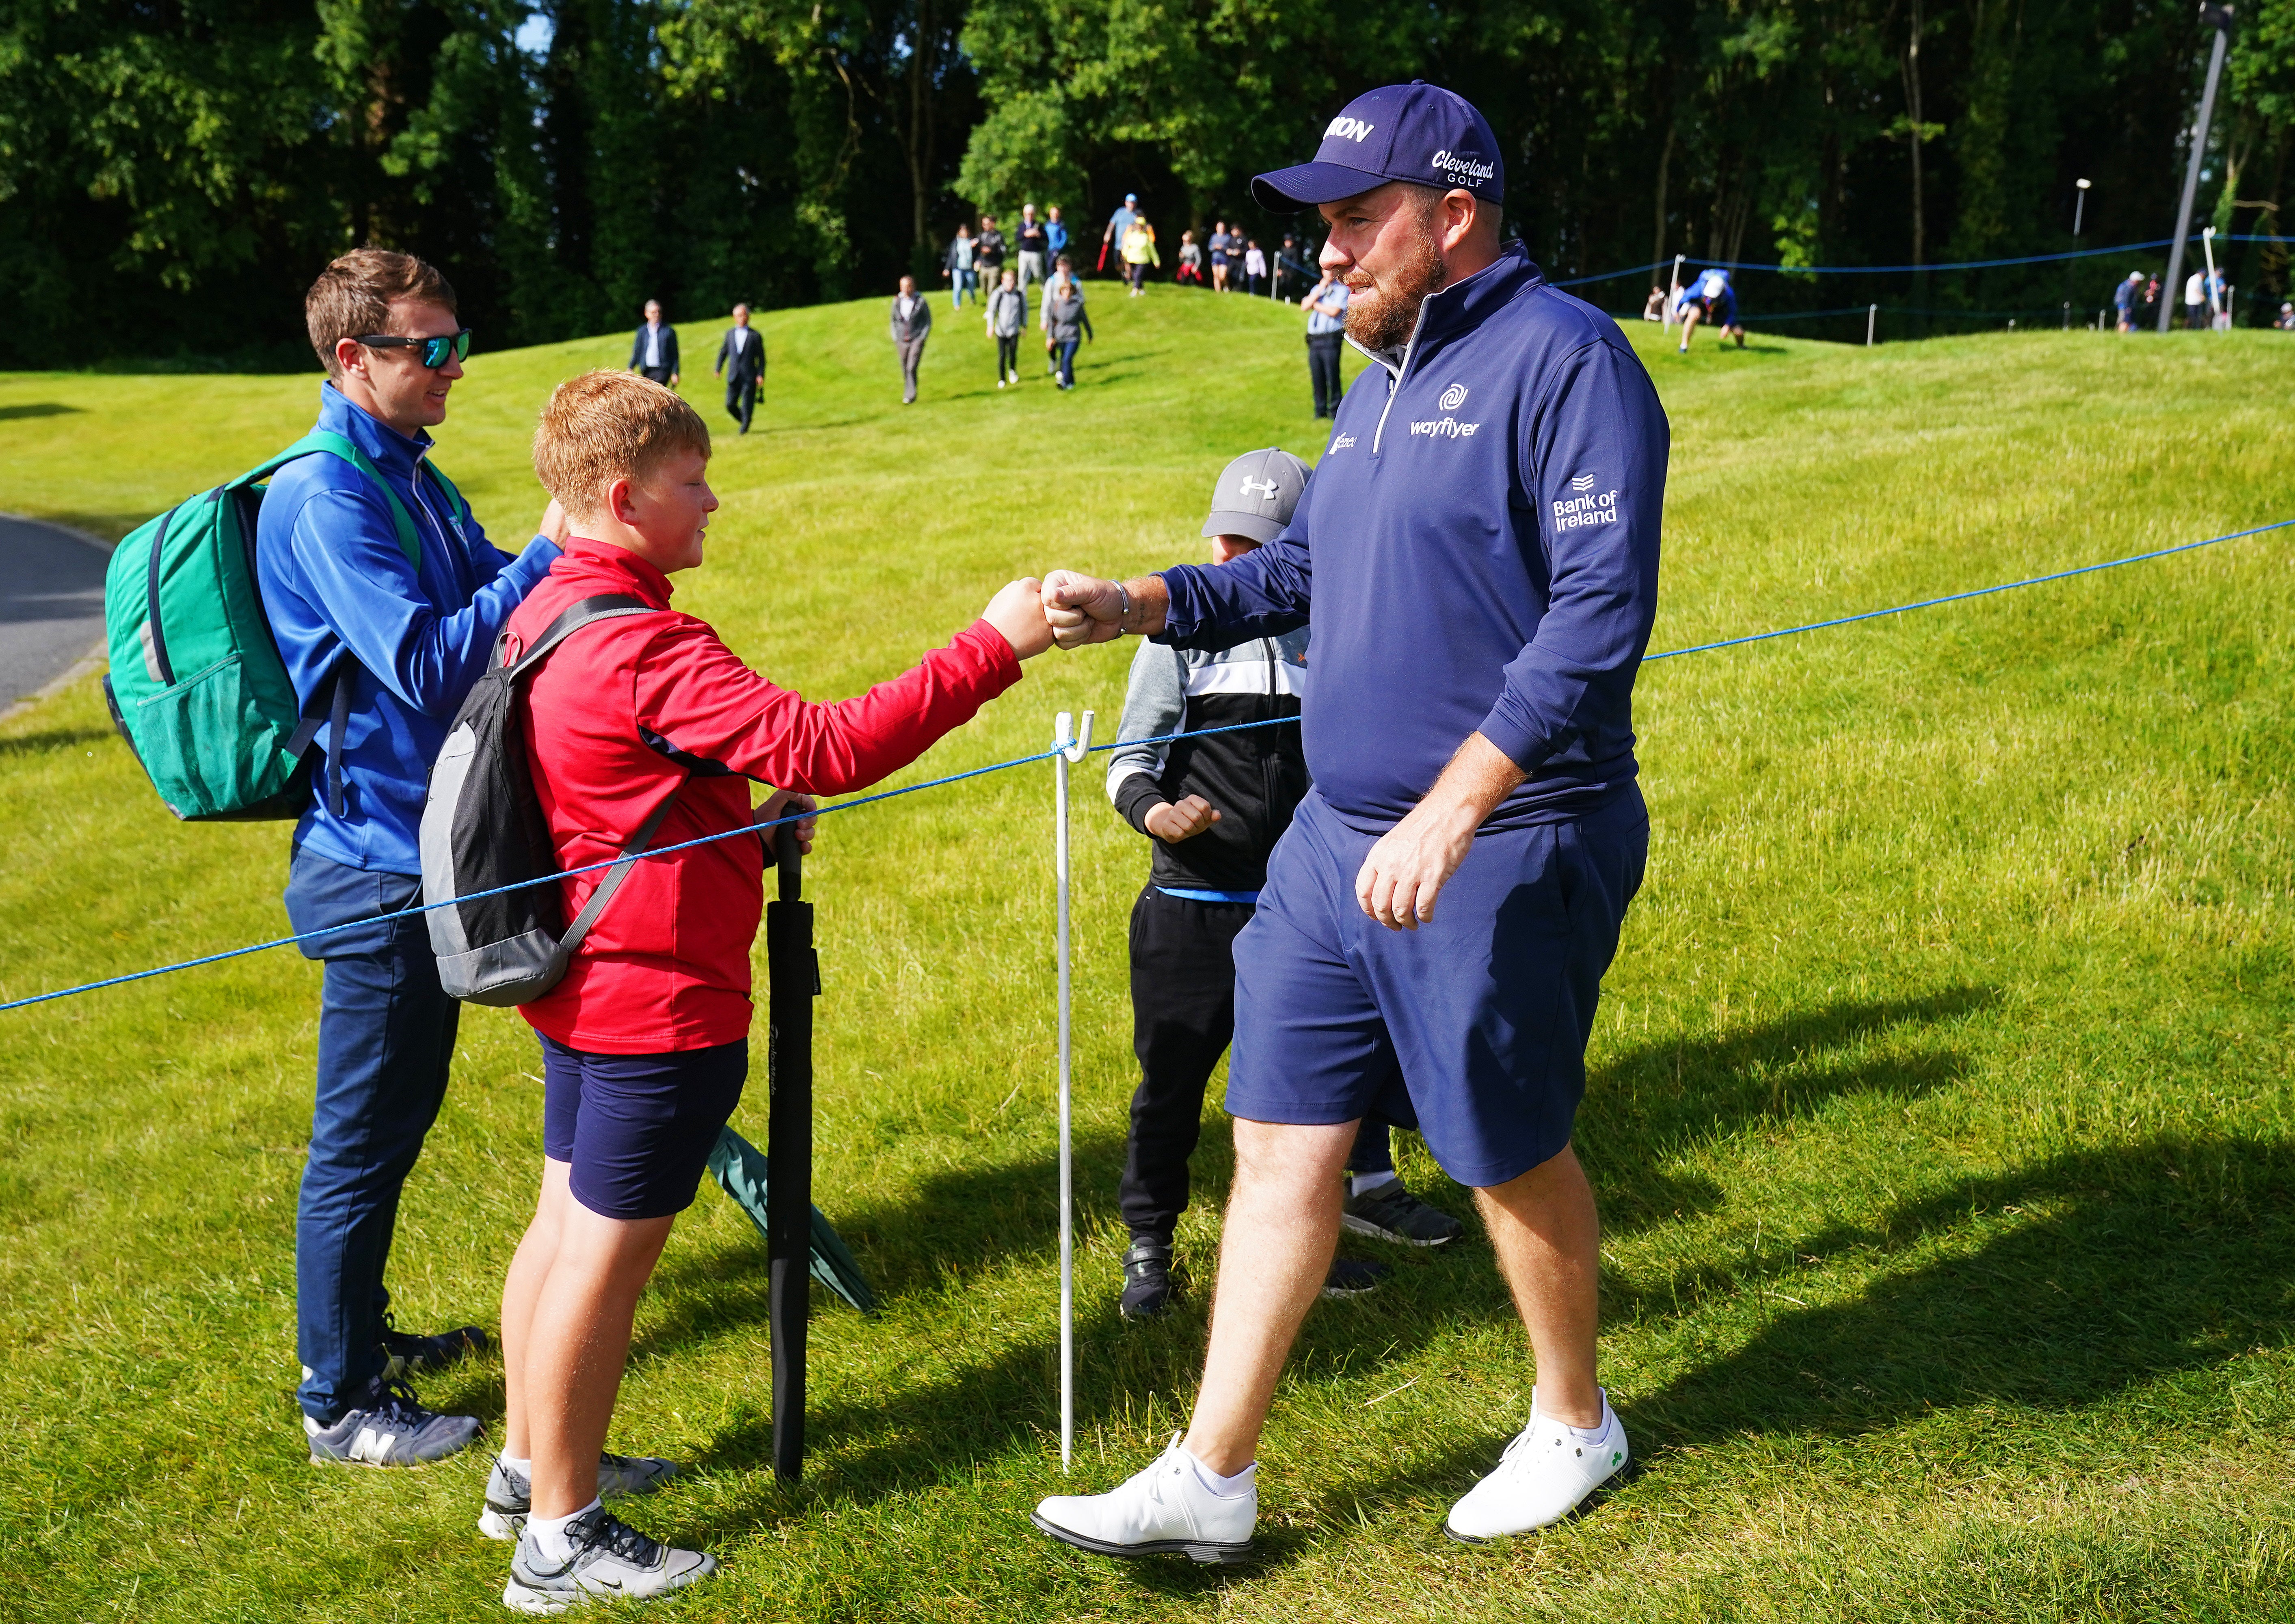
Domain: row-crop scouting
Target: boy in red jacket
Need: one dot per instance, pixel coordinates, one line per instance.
(645, 1042)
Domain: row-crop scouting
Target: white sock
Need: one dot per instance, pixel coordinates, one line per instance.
(1593, 1434)
(549, 1533)
(524, 1468)
(1363, 1184)
(1225, 1487)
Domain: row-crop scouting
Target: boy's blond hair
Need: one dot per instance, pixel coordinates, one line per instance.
(353, 297)
(605, 426)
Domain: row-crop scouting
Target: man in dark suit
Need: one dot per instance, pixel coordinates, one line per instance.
(744, 346)
(912, 326)
(655, 353)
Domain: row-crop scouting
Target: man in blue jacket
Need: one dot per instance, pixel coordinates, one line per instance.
(1479, 546)
(388, 633)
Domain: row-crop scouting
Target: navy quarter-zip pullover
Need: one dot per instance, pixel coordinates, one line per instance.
(1477, 551)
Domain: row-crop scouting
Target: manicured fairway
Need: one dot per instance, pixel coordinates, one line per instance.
(1940, 1105)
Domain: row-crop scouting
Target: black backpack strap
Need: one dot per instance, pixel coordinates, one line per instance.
(338, 718)
(615, 875)
(605, 606)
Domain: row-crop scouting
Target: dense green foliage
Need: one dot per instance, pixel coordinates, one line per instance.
(172, 172)
(1940, 1108)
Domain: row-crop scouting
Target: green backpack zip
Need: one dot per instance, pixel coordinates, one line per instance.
(197, 687)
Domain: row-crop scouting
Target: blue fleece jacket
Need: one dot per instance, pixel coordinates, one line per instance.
(1476, 551)
(335, 580)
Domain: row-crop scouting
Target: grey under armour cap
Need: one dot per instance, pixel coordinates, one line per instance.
(1255, 494)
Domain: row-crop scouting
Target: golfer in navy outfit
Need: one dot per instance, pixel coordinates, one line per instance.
(1478, 554)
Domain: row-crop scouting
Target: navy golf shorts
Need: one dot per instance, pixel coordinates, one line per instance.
(1471, 1029)
(638, 1128)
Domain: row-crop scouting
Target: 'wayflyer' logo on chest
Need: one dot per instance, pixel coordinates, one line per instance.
(1445, 427)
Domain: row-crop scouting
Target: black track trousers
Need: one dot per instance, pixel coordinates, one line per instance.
(1183, 1019)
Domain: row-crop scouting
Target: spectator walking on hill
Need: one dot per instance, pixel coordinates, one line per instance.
(1220, 245)
(1291, 270)
(654, 352)
(743, 349)
(1189, 271)
(1325, 305)
(2195, 301)
(988, 250)
(2150, 300)
(1254, 268)
(1118, 222)
(1139, 253)
(912, 326)
(1008, 316)
(1065, 320)
(1469, 730)
(1035, 244)
(956, 268)
(2124, 295)
(389, 645)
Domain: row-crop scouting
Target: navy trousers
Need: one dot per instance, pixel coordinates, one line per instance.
(386, 1038)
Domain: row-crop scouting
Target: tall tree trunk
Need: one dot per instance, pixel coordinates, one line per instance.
(919, 147)
(1918, 133)
(1664, 169)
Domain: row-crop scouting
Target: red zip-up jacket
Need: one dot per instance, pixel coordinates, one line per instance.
(624, 713)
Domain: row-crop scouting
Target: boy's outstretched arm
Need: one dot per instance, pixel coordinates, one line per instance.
(694, 699)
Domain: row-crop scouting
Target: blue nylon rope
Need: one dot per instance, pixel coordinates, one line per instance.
(1022, 761)
(1694, 264)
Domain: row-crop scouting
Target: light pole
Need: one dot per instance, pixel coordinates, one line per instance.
(2218, 18)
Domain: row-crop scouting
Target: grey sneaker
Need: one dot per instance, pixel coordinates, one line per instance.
(510, 1494)
(609, 1559)
(1392, 1214)
(389, 1428)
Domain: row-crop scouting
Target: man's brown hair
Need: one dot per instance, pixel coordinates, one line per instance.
(353, 297)
(605, 426)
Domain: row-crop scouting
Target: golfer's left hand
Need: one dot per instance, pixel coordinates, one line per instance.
(1411, 863)
(781, 803)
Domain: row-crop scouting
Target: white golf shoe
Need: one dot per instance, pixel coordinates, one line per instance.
(1165, 1510)
(1544, 1474)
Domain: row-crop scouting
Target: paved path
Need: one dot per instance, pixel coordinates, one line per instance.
(51, 605)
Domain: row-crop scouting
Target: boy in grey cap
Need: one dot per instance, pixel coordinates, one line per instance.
(1214, 807)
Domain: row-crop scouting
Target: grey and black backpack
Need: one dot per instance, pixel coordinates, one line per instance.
(483, 830)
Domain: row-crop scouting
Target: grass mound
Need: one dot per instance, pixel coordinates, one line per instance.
(1940, 1105)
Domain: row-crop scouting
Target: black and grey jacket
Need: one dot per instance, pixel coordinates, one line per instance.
(1254, 780)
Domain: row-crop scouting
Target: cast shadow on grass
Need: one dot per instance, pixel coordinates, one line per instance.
(1655, 1103)
(45, 408)
(55, 739)
(2115, 1267)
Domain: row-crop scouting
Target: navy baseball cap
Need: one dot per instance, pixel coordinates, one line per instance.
(1415, 132)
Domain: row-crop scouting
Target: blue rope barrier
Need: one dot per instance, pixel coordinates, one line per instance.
(1981, 591)
(1021, 760)
(1695, 264)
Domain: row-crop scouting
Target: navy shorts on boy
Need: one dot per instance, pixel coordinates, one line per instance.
(1471, 1029)
(638, 1128)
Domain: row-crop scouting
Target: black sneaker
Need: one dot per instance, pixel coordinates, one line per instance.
(412, 1354)
(1351, 1278)
(1392, 1214)
(387, 1428)
(1147, 1279)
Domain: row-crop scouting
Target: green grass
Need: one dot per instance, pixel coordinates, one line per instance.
(1940, 1109)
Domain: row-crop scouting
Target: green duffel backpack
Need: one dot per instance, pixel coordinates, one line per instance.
(197, 687)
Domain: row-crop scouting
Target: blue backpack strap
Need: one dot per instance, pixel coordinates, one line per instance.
(336, 446)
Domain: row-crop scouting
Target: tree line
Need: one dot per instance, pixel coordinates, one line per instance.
(172, 172)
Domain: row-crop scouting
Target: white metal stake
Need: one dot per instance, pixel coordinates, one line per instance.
(1673, 291)
(1872, 314)
(1069, 750)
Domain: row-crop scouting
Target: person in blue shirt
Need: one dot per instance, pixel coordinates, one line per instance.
(1325, 305)
(1478, 550)
(1710, 299)
(397, 642)
(1118, 222)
